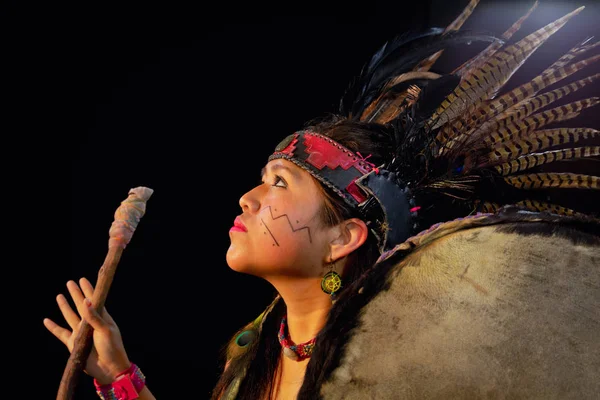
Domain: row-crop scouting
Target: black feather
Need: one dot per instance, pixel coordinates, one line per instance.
(358, 86)
(394, 44)
(395, 59)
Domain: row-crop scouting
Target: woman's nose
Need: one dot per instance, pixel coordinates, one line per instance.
(249, 201)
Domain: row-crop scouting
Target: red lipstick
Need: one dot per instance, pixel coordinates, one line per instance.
(238, 226)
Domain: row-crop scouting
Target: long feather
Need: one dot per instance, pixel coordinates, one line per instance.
(427, 63)
(529, 161)
(539, 140)
(398, 59)
(476, 62)
(554, 179)
(532, 104)
(466, 129)
(389, 103)
(354, 97)
(535, 205)
(571, 54)
(517, 129)
(523, 108)
(484, 82)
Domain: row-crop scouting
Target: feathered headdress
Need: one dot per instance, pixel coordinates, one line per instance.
(462, 143)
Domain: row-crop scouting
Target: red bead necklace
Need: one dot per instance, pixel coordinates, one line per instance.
(297, 352)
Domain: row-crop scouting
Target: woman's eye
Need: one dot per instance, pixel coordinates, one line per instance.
(279, 182)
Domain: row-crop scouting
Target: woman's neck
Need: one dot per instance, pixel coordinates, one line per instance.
(307, 308)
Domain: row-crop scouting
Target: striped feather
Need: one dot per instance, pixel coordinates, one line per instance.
(532, 104)
(535, 205)
(532, 160)
(484, 82)
(539, 140)
(489, 207)
(570, 55)
(390, 103)
(518, 129)
(554, 180)
(466, 68)
(527, 107)
(467, 130)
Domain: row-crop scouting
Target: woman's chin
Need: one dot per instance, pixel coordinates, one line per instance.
(235, 259)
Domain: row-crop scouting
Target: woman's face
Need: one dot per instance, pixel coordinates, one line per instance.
(279, 232)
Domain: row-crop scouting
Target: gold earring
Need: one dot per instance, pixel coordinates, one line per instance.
(331, 283)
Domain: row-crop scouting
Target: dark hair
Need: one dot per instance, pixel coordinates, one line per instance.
(370, 140)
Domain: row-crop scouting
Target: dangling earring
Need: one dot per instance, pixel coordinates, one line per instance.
(331, 283)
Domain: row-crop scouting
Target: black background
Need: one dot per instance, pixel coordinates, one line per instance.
(190, 101)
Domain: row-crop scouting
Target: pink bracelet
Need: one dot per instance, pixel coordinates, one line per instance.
(127, 385)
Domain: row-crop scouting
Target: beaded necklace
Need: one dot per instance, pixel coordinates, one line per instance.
(297, 352)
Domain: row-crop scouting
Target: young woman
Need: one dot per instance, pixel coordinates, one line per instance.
(416, 247)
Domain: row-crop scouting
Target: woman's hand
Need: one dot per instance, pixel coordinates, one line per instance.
(108, 356)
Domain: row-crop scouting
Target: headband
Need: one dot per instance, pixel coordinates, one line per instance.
(378, 195)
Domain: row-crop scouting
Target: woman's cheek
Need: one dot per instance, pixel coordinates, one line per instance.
(281, 230)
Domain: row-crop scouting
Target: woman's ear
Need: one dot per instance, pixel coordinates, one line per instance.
(350, 235)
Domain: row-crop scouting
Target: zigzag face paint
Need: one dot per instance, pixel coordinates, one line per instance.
(286, 217)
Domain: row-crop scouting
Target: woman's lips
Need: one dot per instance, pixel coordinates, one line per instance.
(238, 226)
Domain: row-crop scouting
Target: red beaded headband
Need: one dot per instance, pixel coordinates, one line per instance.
(328, 161)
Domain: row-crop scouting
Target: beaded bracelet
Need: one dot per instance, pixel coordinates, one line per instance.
(127, 385)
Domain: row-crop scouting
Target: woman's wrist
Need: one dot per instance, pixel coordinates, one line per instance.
(113, 373)
(126, 386)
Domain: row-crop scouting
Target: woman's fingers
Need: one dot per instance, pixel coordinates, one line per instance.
(83, 304)
(90, 315)
(81, 296)
(88, 291)
(69, 315)
(87, 287)
(75, 292)
(61, 333)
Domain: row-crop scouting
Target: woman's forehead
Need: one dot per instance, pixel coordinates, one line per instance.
(278, 165)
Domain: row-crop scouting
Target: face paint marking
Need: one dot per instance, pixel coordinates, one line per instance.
(289, 222)
(267, 228)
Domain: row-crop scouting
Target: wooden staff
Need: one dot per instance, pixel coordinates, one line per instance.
(127, 217)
